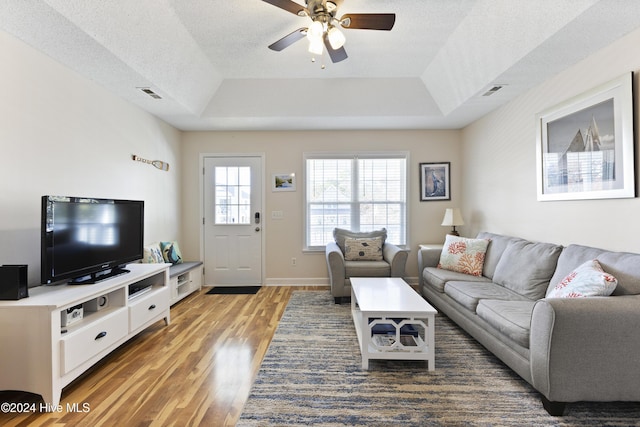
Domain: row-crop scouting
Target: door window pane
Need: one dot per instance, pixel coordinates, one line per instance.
(232, 195)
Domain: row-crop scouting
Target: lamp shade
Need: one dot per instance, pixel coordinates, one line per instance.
(336, 38)
(316, 47)
(315, 31)
(452, 217)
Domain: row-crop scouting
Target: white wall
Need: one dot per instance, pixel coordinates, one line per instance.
(499, 158)
(62, 134)
(284, 153)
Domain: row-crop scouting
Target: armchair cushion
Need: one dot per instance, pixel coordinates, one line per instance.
(363, 249)
(367, 269)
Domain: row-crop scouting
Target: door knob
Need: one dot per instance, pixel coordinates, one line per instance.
(257, 228)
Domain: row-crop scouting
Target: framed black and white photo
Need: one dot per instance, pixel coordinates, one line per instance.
(283, 182)
(586, 145)
(435, 181)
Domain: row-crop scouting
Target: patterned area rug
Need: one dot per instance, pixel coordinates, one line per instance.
(311, 375)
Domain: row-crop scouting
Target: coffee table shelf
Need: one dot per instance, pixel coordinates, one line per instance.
(391, 304)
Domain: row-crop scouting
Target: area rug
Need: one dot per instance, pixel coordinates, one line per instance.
(311, 375)
(234, 290)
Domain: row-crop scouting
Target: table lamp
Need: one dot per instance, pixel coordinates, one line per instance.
(453, 218)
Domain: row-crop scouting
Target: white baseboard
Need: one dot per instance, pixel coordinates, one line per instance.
(307, 281)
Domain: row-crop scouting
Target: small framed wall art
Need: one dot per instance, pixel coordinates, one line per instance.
(435, 181)
(283, 182)
(586, 145)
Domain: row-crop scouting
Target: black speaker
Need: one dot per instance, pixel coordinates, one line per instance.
(13, 282)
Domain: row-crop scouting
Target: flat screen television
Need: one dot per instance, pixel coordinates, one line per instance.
(85, 240)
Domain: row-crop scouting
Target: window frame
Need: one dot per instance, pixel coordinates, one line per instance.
(354, 156)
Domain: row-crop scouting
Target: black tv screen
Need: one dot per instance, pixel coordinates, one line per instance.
(84, 239)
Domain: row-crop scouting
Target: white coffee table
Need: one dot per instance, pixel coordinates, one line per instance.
(392, 321)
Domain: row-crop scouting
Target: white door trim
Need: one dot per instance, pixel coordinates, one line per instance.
(263, 223)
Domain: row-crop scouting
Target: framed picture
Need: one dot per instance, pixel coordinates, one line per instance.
(586, 145)
(435, 181)
(283, 182)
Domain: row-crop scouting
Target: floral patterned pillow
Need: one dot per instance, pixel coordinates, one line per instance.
(463, 255)
(588, 280)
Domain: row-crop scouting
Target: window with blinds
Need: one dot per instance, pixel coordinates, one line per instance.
(358, 192)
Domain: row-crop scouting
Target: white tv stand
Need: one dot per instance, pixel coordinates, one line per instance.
(186, 278)
(40, 356)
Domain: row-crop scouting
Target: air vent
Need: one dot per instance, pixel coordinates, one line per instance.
(493, 90)
(150, 93)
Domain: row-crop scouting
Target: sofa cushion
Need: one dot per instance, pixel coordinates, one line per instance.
(526, 267)
(366, 269)
(363, 249)
(437, 277)
(497, 244)
(469, 294)
(588, 280)
(178, 269)
(463, 255)
(624, 266)
(511, 318)
(340, 234)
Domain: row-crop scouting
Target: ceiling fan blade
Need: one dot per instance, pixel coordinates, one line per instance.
(288, 5)
(369, 21)
(289, 39)
(336, 55)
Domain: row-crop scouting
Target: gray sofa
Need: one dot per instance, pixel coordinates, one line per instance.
(392, 261)
(568, 349)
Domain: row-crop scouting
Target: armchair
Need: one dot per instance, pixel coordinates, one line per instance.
(361, 254)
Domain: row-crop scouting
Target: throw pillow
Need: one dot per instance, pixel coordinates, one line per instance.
(171, 252)
(463, 255)
(340, 235)
(363, 249)
(152, 254)
(588, 280)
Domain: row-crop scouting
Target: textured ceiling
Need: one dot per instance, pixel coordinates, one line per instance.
(209, 61)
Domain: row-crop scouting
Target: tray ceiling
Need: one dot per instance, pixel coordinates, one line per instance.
(208, 60)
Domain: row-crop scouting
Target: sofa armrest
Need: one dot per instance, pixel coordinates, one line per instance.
(335, 264)
(396, 257)
(586, 348)
(427, 257)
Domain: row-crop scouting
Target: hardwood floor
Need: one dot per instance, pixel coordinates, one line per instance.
(197, 371)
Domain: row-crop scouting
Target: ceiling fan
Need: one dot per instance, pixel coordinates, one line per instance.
(324, 31)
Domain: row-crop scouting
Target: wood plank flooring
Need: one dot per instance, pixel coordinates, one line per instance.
(197, 371)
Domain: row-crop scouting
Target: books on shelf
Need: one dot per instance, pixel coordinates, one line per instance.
(387, 340)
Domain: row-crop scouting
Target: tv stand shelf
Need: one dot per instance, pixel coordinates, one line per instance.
(41, 356)
(186, 278)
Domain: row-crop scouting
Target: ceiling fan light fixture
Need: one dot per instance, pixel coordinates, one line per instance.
(316, 46)
(315, 31)
(336, 38)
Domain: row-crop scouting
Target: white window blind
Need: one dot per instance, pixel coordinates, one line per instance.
(358, 192)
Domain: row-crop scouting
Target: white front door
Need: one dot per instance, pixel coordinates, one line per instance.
(233, 221)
